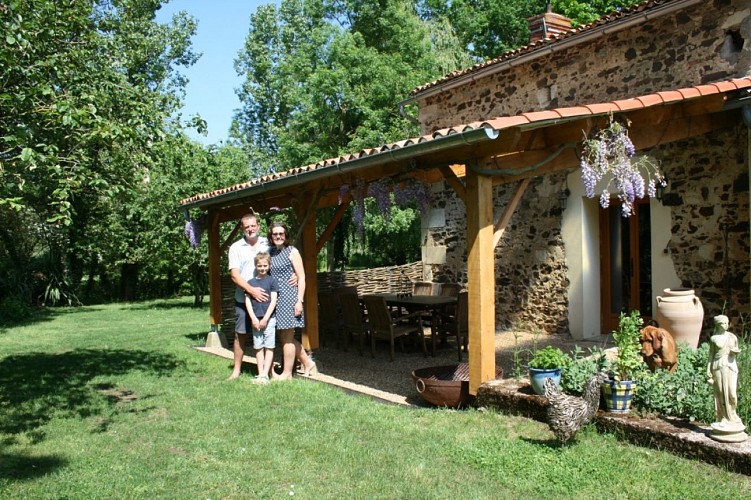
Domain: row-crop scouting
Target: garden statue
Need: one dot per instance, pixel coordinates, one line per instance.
(722, 371)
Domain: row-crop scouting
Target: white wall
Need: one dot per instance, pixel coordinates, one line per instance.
(581, 235)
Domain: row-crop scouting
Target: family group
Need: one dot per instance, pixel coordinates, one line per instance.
(269, 297)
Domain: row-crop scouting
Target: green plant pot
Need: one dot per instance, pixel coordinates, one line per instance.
(618, 395)
(537, 378)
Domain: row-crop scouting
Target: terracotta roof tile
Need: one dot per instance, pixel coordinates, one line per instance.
(599, 108)
(627, 104)
(573, 111)
(726, 86)
(670, 96)
(707, 89)
(650, 100)
(689, 93)
(538, 116)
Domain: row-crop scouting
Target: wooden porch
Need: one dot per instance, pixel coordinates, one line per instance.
(471, 159)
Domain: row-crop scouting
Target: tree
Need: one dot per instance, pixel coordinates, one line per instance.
(88, 89)
(323, 78)
(489, 28)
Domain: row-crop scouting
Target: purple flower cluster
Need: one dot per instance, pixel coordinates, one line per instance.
(358, 210)
(413, 192)
(381, 191)
(193, 231)
(609, 156)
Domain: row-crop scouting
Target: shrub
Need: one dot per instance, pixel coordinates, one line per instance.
(14, 309)
(580, 368)
(685, 393)
(548, 358)
(628, 362)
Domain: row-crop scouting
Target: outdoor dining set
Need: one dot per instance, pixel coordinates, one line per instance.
(435, 309)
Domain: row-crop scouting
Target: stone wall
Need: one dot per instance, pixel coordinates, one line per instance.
(697, 45)
(709, 245)
(530, 264)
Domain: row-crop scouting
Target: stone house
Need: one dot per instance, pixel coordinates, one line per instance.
(573, 269)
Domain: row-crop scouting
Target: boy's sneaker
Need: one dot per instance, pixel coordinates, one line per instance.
(261, 380)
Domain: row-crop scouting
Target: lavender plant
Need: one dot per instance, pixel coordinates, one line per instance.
(608, 156)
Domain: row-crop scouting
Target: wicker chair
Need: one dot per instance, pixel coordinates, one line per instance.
(353, 320)
(382, 326)
(450, 289)
(330, 319)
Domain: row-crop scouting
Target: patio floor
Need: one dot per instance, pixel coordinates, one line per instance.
(392, 381)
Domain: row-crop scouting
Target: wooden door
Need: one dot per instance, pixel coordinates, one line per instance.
(625, 258)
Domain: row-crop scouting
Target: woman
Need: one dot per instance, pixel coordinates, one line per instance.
(286, 261)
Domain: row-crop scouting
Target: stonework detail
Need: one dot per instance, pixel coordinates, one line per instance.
(709, 246)
(531, 280)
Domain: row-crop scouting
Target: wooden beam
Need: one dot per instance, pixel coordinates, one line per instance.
(223, 248)
(307, 248)
(215, 283)
(564, 161)
(304, 212)
(500, 225)
(450, 176)
(481, 279)
(332, 225)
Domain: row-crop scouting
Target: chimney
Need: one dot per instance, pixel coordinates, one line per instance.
(548, 24)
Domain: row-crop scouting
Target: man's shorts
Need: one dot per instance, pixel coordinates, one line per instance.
(265, 338)
(242, 319)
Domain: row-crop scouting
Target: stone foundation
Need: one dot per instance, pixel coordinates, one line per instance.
(678, 436)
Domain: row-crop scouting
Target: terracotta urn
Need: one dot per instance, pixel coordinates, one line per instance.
(680, 312)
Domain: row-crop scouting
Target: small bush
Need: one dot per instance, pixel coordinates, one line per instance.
(14, 309)
(548, 358)
(580, 368)
(685, 393)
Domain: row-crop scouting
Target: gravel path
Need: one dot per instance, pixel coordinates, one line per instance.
(392, 381)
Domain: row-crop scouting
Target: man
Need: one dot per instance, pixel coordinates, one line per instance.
(242, 255)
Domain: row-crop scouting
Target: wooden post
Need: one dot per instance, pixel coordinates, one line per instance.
(310, 263)
(215, 283)
(481, 277)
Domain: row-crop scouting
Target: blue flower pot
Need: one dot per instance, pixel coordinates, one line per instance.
(537, 377)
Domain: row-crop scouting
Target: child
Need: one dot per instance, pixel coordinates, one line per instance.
(262, 316)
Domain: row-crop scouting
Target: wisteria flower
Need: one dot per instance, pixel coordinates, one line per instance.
(609, 156)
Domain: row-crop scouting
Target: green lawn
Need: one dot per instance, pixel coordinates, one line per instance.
(110, 401)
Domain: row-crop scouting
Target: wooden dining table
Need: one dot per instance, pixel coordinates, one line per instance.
(435, 304)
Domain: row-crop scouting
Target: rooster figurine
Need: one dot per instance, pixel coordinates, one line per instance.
(567, 414)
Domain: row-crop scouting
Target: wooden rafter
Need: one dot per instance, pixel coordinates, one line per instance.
(332, 224)
(503, 220)
(453, 180)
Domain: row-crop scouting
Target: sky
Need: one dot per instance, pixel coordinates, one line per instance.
(222, 28)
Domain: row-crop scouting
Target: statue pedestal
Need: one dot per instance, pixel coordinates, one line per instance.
(728, 432)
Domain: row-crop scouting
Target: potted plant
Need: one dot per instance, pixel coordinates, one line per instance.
(546, 363)
(618, 390)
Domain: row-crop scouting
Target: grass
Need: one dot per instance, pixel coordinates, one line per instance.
(110, 401)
